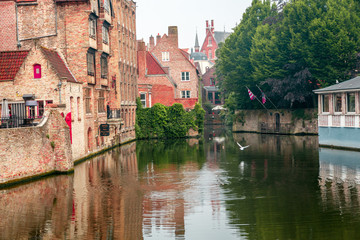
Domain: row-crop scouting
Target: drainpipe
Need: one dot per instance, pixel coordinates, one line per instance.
(26, 39)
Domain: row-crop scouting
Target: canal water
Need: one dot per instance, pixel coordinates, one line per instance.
(280, 187)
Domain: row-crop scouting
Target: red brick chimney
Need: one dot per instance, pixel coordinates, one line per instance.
(207, 23)
(173, 35)
(151, 41)
(158, 37)
(141, 57)
(212, 26)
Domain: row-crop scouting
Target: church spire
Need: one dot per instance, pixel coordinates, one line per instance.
(197, 47)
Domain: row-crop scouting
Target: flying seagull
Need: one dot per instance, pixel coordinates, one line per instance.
(241, 147)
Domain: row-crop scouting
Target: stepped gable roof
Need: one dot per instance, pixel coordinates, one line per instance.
(58, 64)
(221, 36)
(153, 66)
(10, 63)
(352, 84)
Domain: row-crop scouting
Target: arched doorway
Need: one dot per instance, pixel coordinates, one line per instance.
(277, 122)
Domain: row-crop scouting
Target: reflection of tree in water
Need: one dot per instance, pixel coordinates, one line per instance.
(162, 152)
(275, 191)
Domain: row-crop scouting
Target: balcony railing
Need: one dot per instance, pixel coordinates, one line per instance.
(113, 114)
(16, 122)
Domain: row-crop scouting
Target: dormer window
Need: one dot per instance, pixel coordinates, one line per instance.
(37, 71)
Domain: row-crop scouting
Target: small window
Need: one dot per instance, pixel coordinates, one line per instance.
(325, 103)
(210, 42)
(185, 94)
(90, 58)
(212, 82)
(104, 66)
(165, 56)
(101, 102)
(37, 71)
(92, 27)
(105, 35)
(351, 102)
(210, 54)
(338, 102)
(143, 99)
(185, 76)
(88, 100)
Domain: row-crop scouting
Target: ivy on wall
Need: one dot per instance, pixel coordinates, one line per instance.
(161, 121)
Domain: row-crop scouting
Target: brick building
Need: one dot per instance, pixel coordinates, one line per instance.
(97, 39)
(210, 91)
(181, 84)
(212, 40)
(35, 75)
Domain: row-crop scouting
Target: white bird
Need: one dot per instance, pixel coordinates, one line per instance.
(241, 147)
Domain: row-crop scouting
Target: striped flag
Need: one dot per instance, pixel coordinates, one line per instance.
(251, 95)
(263, 98)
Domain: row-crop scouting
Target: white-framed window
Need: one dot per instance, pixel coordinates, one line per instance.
(90, 60)
(165, 56)
(210, 54)
(210, 42)
(350, 102)
(143, 99)
(92, 27)
(338, 102)
(185, 76)
(185, 94)
(105, 34)
(325, 103)
(107, 6)
(88, 100)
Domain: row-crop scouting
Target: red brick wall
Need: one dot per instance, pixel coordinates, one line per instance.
(7, 26)
(177, 64)
(207, 76)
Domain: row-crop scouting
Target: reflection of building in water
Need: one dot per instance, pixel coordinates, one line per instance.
(45, 216)
(339, 177)
(164, 201)
(107, 201)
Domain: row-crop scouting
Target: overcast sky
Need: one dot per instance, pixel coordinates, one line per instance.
(154, 16)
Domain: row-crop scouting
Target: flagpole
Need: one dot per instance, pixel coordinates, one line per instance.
(257, 99)
(267, 97)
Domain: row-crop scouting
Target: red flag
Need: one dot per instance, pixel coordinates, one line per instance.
(263, 98)
(251, 95)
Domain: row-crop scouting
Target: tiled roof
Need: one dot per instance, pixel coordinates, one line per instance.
(153, 66)
(221, 36)
(58, 64)
(349, 85)
(10, 63)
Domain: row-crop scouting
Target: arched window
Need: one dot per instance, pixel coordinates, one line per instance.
(37, 71)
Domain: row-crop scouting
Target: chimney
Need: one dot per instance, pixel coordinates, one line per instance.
(207, 23)
(151, 41)
(158, 37)
(173, 35)
(141, 57)
(212, 25)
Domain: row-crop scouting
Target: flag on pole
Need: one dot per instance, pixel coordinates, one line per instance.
(251, 95)
(263, 98)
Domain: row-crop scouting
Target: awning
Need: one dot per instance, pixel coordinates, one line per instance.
(31, 103)
(28, 97)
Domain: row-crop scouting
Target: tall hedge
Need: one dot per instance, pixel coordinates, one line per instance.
(160, 121)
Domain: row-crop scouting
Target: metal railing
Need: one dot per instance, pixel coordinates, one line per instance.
(113, 114)
(17, 121)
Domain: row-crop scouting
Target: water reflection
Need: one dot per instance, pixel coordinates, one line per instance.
(281, 187)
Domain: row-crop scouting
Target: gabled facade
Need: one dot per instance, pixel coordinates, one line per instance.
(43, 76)
(210, 91)
(212, 40)
(97, 39)
(177, 65)
(154, 84)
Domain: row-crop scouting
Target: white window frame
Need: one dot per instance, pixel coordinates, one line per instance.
(323, 103)
(165, 56)
(143, 101)
(185, 76)
(92, 27)
(347, 102)
(185, 94)
(335, 95)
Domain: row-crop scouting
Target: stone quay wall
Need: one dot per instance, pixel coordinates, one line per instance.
(280, 121)
(31, 152)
